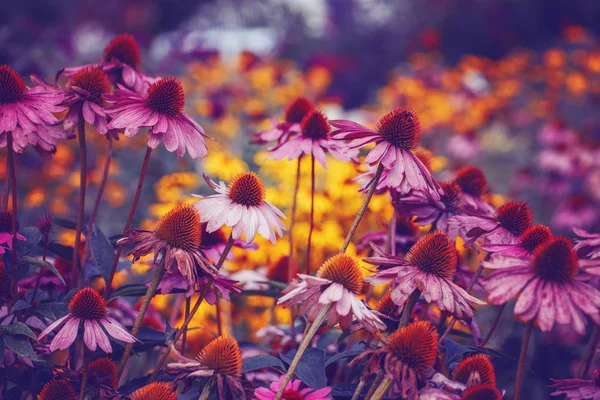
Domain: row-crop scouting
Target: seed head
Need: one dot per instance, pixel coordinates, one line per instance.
(400, 128)
(344, 270)
(414, 345)
(180, 228)
(247, 189)
(534, 237)
(223, 356)
(515, 217)
(478, 364)
(12, 87)
(166, 97)
(93, 80)
(471, 180)
(88, 304)
(125, 49)
(58, 390)
(555, 260)
(155, 391)
(298, 109)
(104, 370)
(315, 125)
(434, 254)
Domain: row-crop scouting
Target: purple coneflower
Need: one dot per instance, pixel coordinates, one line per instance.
(241, 206)
(292, 391)
(58, 389)
(474, 370)
(588, 242)
(578, 389)
(528, 242)
(161, 110)
(473, 185)
(155, 390)
(87, 306)
(293, 115)
(546, 286)
(428, 268)
(395, 136)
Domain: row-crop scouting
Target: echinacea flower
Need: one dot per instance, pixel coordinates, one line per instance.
(429, 267)
(474, 370)
(395, 136)
(6, 235)
(220, 361)
(486, 391)
(241, 206)
(528, 242)
(293, 115)
(155, 391)
(86, 91)
(314, 139)
(292, 391)
(177, 237)
(578, 389)
(121, 62)
(104, 371)
(505, 227)
(338, 283)
(27, 113)
(58, 390)
(160, 110)
(546, 286)
(473, 185)
(87, 307)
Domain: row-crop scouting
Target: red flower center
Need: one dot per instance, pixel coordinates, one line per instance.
(400, 128)
(596, 377)
(534, 237)
(452, 196)
(58, 390)
(12, 87)
(477, 364)
(292, 394)
(180, 228)
(387, 307)
(93, 80)
(555, 260)
(515, 217)
(471, 180)
(223, 356)
(315, 126)
(125, 49)
(88, 304)
(153, 391)
(414, 345)
(104, 370)
(434, 254)
(247, 189)
(166, 97)
(344, 270)
(486, 391)
(6, 221)
(298, 109)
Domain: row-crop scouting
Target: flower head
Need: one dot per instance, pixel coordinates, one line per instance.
(124, 49)
(474, 369)
(429, 267)
(487, 391)
(44, 225)
(160, 110)
(104, 371)
(473, 185)
(293, 115)
(529, 241)
(292, 391)
(241, 205)
(58, 390)
(155, 390)
(337, 283)
(88, 308)
(578, 388)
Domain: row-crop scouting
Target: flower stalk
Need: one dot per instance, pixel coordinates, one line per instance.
(522, 356)
(382, 389)
(76, 268)
(312, 213)
(13, 184)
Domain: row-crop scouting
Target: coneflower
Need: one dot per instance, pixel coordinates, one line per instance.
(155, 391)
(474, 370)
(104, 371)
(58, 390)
(280, 132)
(530, 240)
(473, 185)
(217, 366)
(482, 392)
(292, 391)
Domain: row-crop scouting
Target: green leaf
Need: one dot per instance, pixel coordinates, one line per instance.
(20, 345)
(42, 264)
(129, 291)
(19, 328)
(102, 251)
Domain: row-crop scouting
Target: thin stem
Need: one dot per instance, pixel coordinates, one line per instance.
(293, 222)
(312, 212)
(363, 208)
(392, 234)
(84, 378)
(205, 392)
(469, 287)
(408, 308)
(494, 325)
(187, 314)
(105, 171)
(382, 389)
(309, 333)
(590, 352)
(359, 388)
(134, 204)
(521, 366)
(13, 180)
(158, 273)
(76, 270)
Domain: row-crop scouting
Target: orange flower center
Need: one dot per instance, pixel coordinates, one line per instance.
(154, 391)
(125, 49)
(434, 254)
(400, 128)
(555, 260)
(414, 345)
(180, 228)
(223, 356)
(315, 125)
(515, 217)
(477, 364)
(93, 80)
(486, 391)
(344, 270)
(58, 390)
(298, 109)
(12, 87)
(104, 369)
(166, 97)
(88, 304)
(387, 307)
(471, 180)
(247, 189)
(452, 196)
(535, 236)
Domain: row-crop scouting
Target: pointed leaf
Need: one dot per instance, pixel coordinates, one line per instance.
(260, 362)
(32, 236)
(65, 252)
(19, 328)
(129, 291)
(102, 251)
(20, 345)
(42, 264)
(311, 368)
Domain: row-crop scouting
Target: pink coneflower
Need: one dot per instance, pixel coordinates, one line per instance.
(578, 389)
(546, 285)
(428, 268)
(241, 206)
(27, 113)
(220, 361)
(292, 391)
(6, 236)
(474, 186)
(176, 237)
(58, 390)
(337, 284)
(505, 227)
(161, 110)
(528, 242)
(474, 370)
(395, 136)
(293, 115)
(121, 62)
(432, 210)
(314, 139)
(155, 390)
(87, 306)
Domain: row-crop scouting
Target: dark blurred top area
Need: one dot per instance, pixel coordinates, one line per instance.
(359, 40)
